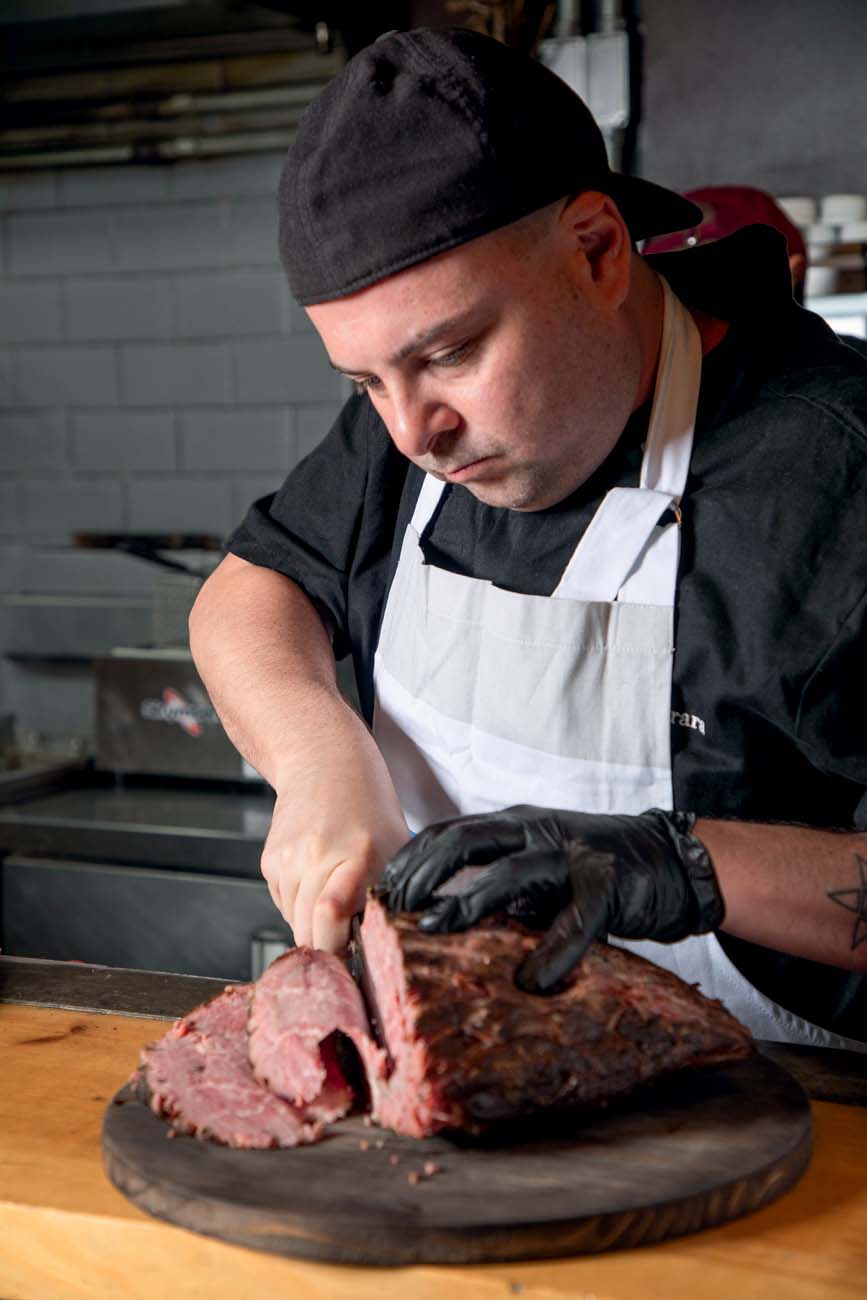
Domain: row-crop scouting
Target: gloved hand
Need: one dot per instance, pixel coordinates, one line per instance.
(580, 875)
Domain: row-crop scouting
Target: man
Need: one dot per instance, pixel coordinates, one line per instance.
(594, 538)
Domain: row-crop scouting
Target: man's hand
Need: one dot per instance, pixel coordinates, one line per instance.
(337, 819)
(580, 875)
(334, 828)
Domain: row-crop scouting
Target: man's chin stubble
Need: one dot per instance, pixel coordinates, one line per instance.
(525, 496)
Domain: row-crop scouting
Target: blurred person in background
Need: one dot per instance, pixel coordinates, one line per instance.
(729, 208)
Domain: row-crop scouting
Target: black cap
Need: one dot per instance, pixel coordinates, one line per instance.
(427, 139)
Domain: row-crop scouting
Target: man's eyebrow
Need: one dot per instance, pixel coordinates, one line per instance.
(417, 343)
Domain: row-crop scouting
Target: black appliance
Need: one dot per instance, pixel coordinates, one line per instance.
(145, 873)
(148, 856)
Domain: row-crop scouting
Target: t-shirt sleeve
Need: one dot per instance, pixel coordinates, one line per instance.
(308, 529)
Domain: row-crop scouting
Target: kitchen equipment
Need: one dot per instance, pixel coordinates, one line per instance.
(150, 858)
(697, 1149)
(150, 873)
(153, 715)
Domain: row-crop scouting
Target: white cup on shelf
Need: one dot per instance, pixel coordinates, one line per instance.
(853, 232)
(821, 234)
(838, 209)
(820, 281)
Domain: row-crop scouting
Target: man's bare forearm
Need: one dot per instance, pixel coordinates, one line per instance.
(264, 655)
(797, 889)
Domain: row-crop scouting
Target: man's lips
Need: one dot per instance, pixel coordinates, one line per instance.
(470, 470)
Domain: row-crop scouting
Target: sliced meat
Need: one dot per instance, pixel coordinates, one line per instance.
(470, 1049)
(296, 1007)
(465, 1047)
(199, 1077)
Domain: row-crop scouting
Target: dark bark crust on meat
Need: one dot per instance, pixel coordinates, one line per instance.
(491, 1053)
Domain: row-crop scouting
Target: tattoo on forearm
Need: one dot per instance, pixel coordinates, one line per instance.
(855, 900)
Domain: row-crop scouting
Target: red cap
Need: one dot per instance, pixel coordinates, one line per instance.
(727, 208)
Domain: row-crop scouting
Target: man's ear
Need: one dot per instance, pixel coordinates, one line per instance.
(598, 244)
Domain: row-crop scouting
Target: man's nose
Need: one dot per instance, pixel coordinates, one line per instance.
(418, 420)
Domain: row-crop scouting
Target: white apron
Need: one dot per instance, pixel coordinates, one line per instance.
(486, 698)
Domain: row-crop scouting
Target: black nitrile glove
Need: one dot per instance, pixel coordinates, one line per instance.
(580, 875)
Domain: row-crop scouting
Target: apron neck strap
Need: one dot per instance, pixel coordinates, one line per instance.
(427, 503)
(668, 448)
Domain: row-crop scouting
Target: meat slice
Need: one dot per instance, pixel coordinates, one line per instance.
(296, 1007)
(199, 1077)
(470, 1049)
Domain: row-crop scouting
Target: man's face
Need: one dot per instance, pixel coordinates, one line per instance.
(497, 365)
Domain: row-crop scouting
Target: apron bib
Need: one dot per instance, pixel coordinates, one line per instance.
(486, 698)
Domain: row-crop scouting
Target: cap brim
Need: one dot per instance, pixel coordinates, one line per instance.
(650, 209)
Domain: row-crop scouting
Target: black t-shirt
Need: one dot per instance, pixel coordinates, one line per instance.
(769, 710)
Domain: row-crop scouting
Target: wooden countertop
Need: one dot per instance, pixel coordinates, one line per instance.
(67, 1234)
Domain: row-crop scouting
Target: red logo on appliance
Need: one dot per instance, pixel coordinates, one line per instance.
(181, 712)
(191, 712)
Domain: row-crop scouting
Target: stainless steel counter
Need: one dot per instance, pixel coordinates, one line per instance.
(207, 829)
(147, 874)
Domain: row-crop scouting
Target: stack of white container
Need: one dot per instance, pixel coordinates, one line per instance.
(835, 231)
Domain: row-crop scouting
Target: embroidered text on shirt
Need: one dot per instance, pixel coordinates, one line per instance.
(690, 720)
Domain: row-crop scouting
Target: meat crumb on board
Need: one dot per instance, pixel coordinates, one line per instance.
(428, 1170)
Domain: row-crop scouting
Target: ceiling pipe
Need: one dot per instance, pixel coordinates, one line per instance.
(178, 149)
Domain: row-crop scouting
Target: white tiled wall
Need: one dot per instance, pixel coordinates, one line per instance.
(154, 373)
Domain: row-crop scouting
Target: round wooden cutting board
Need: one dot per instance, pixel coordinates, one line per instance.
(695, 1150)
